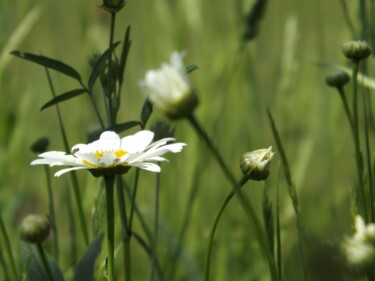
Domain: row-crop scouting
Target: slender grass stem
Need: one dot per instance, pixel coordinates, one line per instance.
(245, 203)
(73, 176)
(361, 188)
(134, 195)
(8, 249)
(215, 224)
(109, 186)
(43, 257)
(51, 207)
(346, 108)
(109, 70)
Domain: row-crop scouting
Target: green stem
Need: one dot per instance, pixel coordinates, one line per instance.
(73, 176)
(215, 224)
(156, 229)
(134, 195)
(51, 207)
(109, 70)
(346, 107)
(43, 257)
(245, 203)
(8, 248)
(109, 186)
(361, 189)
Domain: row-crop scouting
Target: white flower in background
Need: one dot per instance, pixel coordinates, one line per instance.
(111, 155)
(359, 250)
(255, 164)
(169, 88)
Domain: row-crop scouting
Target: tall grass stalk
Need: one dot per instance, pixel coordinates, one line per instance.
(359, 159)
(291, 188)
(73, 176)
(245, 203)
(8, 249)
(156, 228)
(51, 207)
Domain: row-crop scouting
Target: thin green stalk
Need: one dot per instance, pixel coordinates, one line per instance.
(368, 154)
(346, 108)
(4, 266)
(51, 207)
(347, 18)
(245, 203)
(156, 228)
(109, 186)
(8, 249)
(215, 224)
(361, 188)
(43, 257)
(278, 232)
(134, 195)
(73, 176)
(109, 70)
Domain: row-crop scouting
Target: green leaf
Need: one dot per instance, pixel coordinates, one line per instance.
(86, 266)
(63, 97)
(50, 63)
(33, 267)
(118, 128)
(146, 112)
(124, 53)
(191, 68)
(101, 62)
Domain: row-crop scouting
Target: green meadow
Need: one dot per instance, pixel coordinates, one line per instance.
(281, 69)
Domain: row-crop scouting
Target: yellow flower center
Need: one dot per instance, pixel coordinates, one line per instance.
(119, 153)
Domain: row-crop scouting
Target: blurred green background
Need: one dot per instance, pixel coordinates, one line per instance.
(236, 81)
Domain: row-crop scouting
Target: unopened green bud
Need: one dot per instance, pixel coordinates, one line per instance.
(35, 229)
(337, 78)
(356, 50)
(113, 6)
(40, 145)
(255, 164)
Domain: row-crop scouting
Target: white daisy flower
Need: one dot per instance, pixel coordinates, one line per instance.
(169, 88)
(359, 250)
(112, 155)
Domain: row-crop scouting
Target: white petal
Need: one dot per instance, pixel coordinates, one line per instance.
(107, 159)
(63, 171)
(137, 142)
(56, 158)
(174, 148)
(147, 166)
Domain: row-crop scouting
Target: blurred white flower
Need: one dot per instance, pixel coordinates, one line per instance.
(359, 250)
(111, 155)
(169, 88)
(255, 164)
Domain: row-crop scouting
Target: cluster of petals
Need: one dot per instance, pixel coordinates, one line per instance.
(110, 151)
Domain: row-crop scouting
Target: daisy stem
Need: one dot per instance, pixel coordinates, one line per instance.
(51, 207)
(361, 188)
(156, 228)
(43, 257)
(109, 186)
(109, 70)
(8, 248)
(246, 204)
(215, 224)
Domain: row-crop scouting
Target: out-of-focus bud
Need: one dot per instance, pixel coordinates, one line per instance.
(40, 145)
(169, 89)
(337, 78)
(356, 50)
(359, 250)
(113, 6)
(162, 130)
(35, 229)
(255, 164)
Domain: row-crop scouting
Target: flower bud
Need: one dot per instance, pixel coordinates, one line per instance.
(113, 6)
(255, 164)
(169, 89)
(35, 229)
(40, 145)
(356, 50)
(337, 78)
